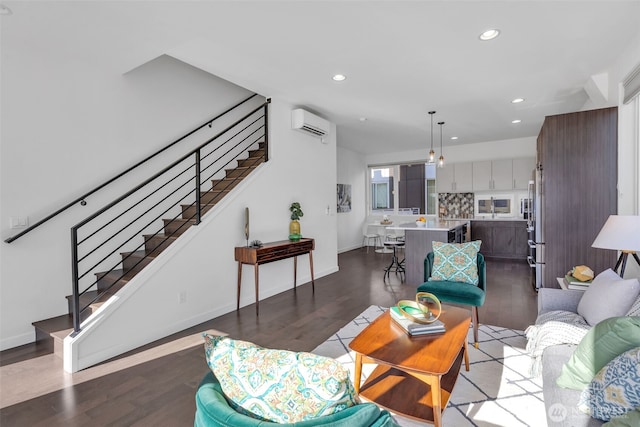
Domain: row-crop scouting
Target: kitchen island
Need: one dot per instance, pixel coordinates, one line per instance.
(418, 243)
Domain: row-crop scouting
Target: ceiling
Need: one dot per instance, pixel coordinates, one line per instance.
(401, 58)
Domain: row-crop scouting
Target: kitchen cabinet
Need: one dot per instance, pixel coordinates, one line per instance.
(493, 175)
(481, 175)
(411, 186)
(578, 164)
(501, 239)
(455, 178)
(523, 172)
(445, 179)
(481, 230)
(486, 175)
(502, 174)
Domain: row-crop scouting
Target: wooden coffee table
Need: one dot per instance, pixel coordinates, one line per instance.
(415, 375)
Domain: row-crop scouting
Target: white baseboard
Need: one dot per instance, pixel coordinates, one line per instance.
(18, 340)
(350, 248)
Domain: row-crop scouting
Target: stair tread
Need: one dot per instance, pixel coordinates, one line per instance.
(54, 324)
(218, 191)
(141, 253)
(211, 204)
(167, 220)
(115, 274)
(89, 295)
(160, 235)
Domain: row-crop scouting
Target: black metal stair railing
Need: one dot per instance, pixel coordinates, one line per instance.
(159, 209)
(109, 238)
(82, 199)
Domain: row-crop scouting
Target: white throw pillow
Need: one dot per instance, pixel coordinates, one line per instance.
(608, 296)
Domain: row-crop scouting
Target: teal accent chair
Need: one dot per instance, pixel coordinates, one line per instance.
(458, 292)
(212, 409)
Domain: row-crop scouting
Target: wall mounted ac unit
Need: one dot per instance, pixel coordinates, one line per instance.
(309, 123)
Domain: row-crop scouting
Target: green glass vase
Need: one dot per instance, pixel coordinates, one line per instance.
(294, 230)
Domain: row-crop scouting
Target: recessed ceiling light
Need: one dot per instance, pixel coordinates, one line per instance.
(516, 121)
(339, 77)
(4, 10)
(363, 119)
(489, 34)
(517, 100)
(454, 137)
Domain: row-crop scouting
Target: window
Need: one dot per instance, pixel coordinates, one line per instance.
(382, 189)
(416, 189)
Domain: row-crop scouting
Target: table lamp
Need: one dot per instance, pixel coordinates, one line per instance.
(620, 233)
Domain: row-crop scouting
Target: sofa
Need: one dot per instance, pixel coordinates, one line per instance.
(567, 334)
(554, 357)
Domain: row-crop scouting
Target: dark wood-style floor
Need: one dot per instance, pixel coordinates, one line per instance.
(156, 386)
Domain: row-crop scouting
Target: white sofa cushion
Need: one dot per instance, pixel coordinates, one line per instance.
(608, 296)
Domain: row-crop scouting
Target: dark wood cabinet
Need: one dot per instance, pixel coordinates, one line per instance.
(411, 185)
(577, 158)
(522, 241)
(501, 239)
(481, 230)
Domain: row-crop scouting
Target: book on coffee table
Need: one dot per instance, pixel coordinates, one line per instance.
(573, 283)
(414, 328)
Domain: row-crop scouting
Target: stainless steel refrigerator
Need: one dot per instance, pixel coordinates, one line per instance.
(535, 231)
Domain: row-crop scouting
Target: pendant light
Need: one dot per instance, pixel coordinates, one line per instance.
(441, 159)
(432, 154)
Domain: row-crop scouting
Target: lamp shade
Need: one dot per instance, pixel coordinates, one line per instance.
(620, 233)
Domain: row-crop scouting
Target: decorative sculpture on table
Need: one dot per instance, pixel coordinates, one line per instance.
(419, 310)
(246, 225)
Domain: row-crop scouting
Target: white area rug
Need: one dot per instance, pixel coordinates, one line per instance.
(495, 392)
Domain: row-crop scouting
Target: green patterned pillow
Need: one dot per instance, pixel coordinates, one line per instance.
(456, 262)
(278, 385)
(614, 390)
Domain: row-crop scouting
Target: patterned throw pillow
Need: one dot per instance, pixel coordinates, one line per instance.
(456, 262)
(635, 308)
(278, 385)
(615, 390)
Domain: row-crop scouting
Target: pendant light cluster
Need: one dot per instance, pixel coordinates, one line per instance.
(432, 154)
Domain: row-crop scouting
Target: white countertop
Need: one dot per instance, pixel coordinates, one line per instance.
(485, 218)
(431, 225)
(488, 218)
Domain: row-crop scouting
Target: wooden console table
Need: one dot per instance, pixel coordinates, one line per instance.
(270, 252)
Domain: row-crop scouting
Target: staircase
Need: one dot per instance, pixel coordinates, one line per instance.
(50, 333)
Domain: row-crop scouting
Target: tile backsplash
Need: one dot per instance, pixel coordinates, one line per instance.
(455, 205)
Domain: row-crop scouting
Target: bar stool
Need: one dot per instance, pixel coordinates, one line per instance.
(368, 237)
(396, 264)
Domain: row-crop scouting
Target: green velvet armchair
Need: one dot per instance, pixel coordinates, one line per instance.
(212, 409)
(458, 292)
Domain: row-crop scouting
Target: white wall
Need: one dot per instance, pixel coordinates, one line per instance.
(201, 264)
(510, 148)
(628, 139)
(66, 127)
(69, 125)
(352, 170)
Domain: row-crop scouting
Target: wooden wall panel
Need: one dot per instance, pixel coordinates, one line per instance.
(578, 156)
